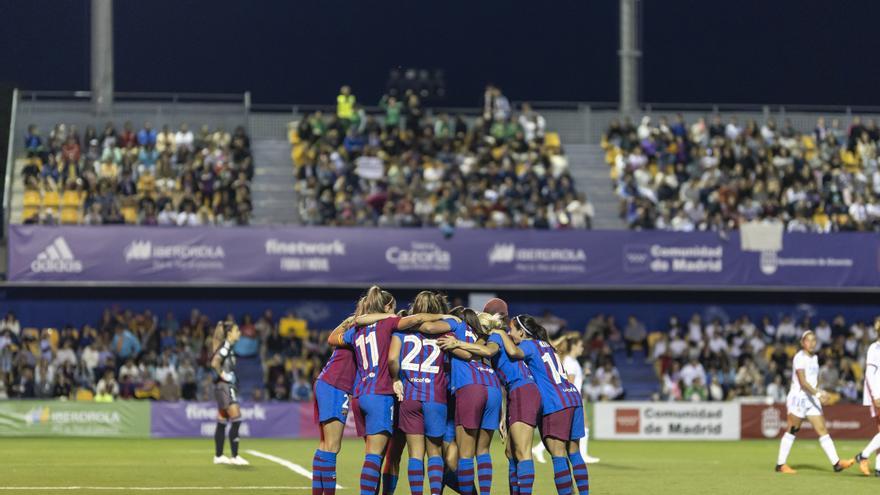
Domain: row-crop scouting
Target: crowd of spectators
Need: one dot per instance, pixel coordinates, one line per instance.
(130, 355)
(720, 360)
(145, 176)
(712, 175)
(410, 167)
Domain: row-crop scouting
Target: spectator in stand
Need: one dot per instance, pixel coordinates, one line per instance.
(125, 345)
(147, 135)
(634, 335)
(170, 390)
(345, 106)
(107, 388)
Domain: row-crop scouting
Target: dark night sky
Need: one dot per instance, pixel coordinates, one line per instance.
(744, 51)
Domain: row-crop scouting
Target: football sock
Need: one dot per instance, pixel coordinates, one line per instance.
(484, 473)
(581, 475)
(525, 473)
(219, 438)
(828, 446)
(370, 474)
(416, 474)
(233, 437)
(466, 476)
(435, 474)
(561, 475)
(324, 470)
(784, 448)
(512, 481)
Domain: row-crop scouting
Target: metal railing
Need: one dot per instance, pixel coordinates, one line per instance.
(120, 96)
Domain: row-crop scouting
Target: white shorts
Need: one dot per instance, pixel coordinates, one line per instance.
(802, 404)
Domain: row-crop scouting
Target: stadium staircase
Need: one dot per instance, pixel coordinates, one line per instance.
(274, 199)
(250, 376)
(637, 377)
(16, 205)
(590, 173)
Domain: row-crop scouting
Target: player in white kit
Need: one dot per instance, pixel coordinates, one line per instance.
(805, 402)
(571, 347)
(871, 399)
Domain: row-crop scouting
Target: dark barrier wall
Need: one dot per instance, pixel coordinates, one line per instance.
(352, 257)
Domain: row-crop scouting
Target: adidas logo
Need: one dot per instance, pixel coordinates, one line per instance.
(56, 258)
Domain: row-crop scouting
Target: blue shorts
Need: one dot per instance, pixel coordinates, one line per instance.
(449, 432)
(374, 414)
(422, 418)
(492, 412)
(332, 403)
(578, 430)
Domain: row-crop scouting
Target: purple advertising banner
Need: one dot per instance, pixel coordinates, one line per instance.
(259, 420)
(316, 256)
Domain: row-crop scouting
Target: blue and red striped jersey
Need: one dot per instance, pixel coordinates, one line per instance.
(557, 393)
(513, 374)
(340, 369)
(423, 368)
(467, 372)
(370, 345)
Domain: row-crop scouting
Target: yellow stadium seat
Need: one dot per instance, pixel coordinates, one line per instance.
(71, 198)
(29, 211)
(130, 214)
(858, 374)
(51, 199)
(70, 216)
(84, 394)
(768, 351)
(32, 198)
(551, 140)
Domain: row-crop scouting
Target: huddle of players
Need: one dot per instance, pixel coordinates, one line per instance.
(434, 380)
(805, 401)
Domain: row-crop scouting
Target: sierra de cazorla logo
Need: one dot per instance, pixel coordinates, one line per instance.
(57, 257)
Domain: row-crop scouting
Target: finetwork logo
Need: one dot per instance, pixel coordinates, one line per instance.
(56, 258)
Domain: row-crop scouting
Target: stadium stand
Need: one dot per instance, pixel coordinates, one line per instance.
(411, 168)
(132, 355)
(715, 360)
(144, 176)
(712, 175)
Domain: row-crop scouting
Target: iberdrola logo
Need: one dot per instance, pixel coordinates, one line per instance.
(37, 415)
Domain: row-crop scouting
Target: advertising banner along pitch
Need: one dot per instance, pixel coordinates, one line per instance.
(844, 421)
(478, 258)
(259, 420)
(666, 421)
(74, 419)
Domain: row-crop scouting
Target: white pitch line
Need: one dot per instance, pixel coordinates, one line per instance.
(296, 468)
(151, 488)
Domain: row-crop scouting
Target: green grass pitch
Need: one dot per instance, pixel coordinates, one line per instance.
(184, 466)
